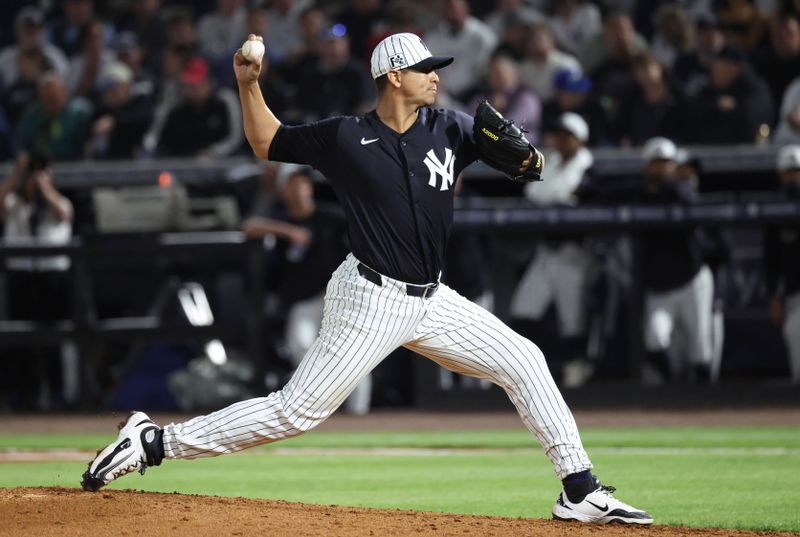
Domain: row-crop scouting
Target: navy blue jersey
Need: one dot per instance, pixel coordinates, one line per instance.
(396, 189)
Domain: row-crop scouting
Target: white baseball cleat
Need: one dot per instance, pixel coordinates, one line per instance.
(599, 507)
(135, 448)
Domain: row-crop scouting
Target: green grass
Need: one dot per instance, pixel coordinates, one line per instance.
(752, 486)
(670, 437)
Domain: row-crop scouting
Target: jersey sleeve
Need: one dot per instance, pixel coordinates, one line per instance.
(468, 150)
(311, 144)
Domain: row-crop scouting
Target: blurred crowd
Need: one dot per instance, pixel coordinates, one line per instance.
(138, 79)
(121, 79)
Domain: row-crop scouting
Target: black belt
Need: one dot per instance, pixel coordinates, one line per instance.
(423, 291)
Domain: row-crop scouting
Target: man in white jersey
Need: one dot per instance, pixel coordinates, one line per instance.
(560, 271)
(393, 171)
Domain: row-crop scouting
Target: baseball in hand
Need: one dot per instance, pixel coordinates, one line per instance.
(253, 50)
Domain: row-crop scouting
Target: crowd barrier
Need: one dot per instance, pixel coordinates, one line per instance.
(608, 161)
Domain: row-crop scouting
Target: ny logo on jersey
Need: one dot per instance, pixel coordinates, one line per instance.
(437, 167)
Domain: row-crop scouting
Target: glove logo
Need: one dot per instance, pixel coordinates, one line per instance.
(490, 134)
(437, 167)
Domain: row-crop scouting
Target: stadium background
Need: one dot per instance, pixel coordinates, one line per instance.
(160, 205)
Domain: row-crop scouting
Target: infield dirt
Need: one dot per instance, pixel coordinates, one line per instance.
(66, 512)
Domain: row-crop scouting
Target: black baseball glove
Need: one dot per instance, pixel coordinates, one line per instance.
(503, 146)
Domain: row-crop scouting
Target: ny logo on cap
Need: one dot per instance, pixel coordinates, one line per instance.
(398, 60)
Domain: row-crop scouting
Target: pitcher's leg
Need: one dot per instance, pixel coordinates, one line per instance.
(362, 323)
(318, 387)
(463, 337)
(360, 328)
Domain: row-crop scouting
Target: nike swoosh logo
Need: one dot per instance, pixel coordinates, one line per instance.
(364, 141)
(603, 509)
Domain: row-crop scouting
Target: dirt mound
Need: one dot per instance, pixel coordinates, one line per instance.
(65, 511)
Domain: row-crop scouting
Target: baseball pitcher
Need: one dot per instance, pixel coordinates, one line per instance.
(393, 171)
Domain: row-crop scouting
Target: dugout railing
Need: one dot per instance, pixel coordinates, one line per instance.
(487, 216)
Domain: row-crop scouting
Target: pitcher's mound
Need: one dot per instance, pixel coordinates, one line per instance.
(64, 512)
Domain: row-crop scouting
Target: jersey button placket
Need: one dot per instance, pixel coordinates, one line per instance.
(415, 196)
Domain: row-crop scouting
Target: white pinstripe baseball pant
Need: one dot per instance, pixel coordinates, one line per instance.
(363, 323)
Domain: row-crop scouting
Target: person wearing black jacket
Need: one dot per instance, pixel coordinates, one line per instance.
(679, 285)
(782, 262)
(733, 107)
(122, 117)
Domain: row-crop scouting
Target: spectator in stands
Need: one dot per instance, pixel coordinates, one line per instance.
(782, 262)
(506, 12)
(463, 36)
(612, 74)
(130, 53)
(122, 117)
(788, 130)
(32, 64)
(337, 84)
(168, 94)
(516, 34)
(362, 18)
(679, 286)
(560, 271)
(306, 53)
(95, 57)
(206, 122)
(779, 63)
(510, 96)
(691, 70)
(182, 31)
(543, 60)
(576, 23)
(222, 30)
(56, 126)
(744, 24)
(308, 246)
(613, 49)
(37, 289)
(145, 20)
(735, 107)
(65, 32)
(674, 34)
(312, 22)
(654, 109)
(284, 31)
(574, 94)
(29, 31)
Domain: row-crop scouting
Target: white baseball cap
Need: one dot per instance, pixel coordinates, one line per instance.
(789, 158)
(115, 73)
(682, 156)
(575, 125)
(659, 148)
(403, 51)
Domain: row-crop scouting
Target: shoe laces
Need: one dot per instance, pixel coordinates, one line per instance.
(128, 468)
(607, 489)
